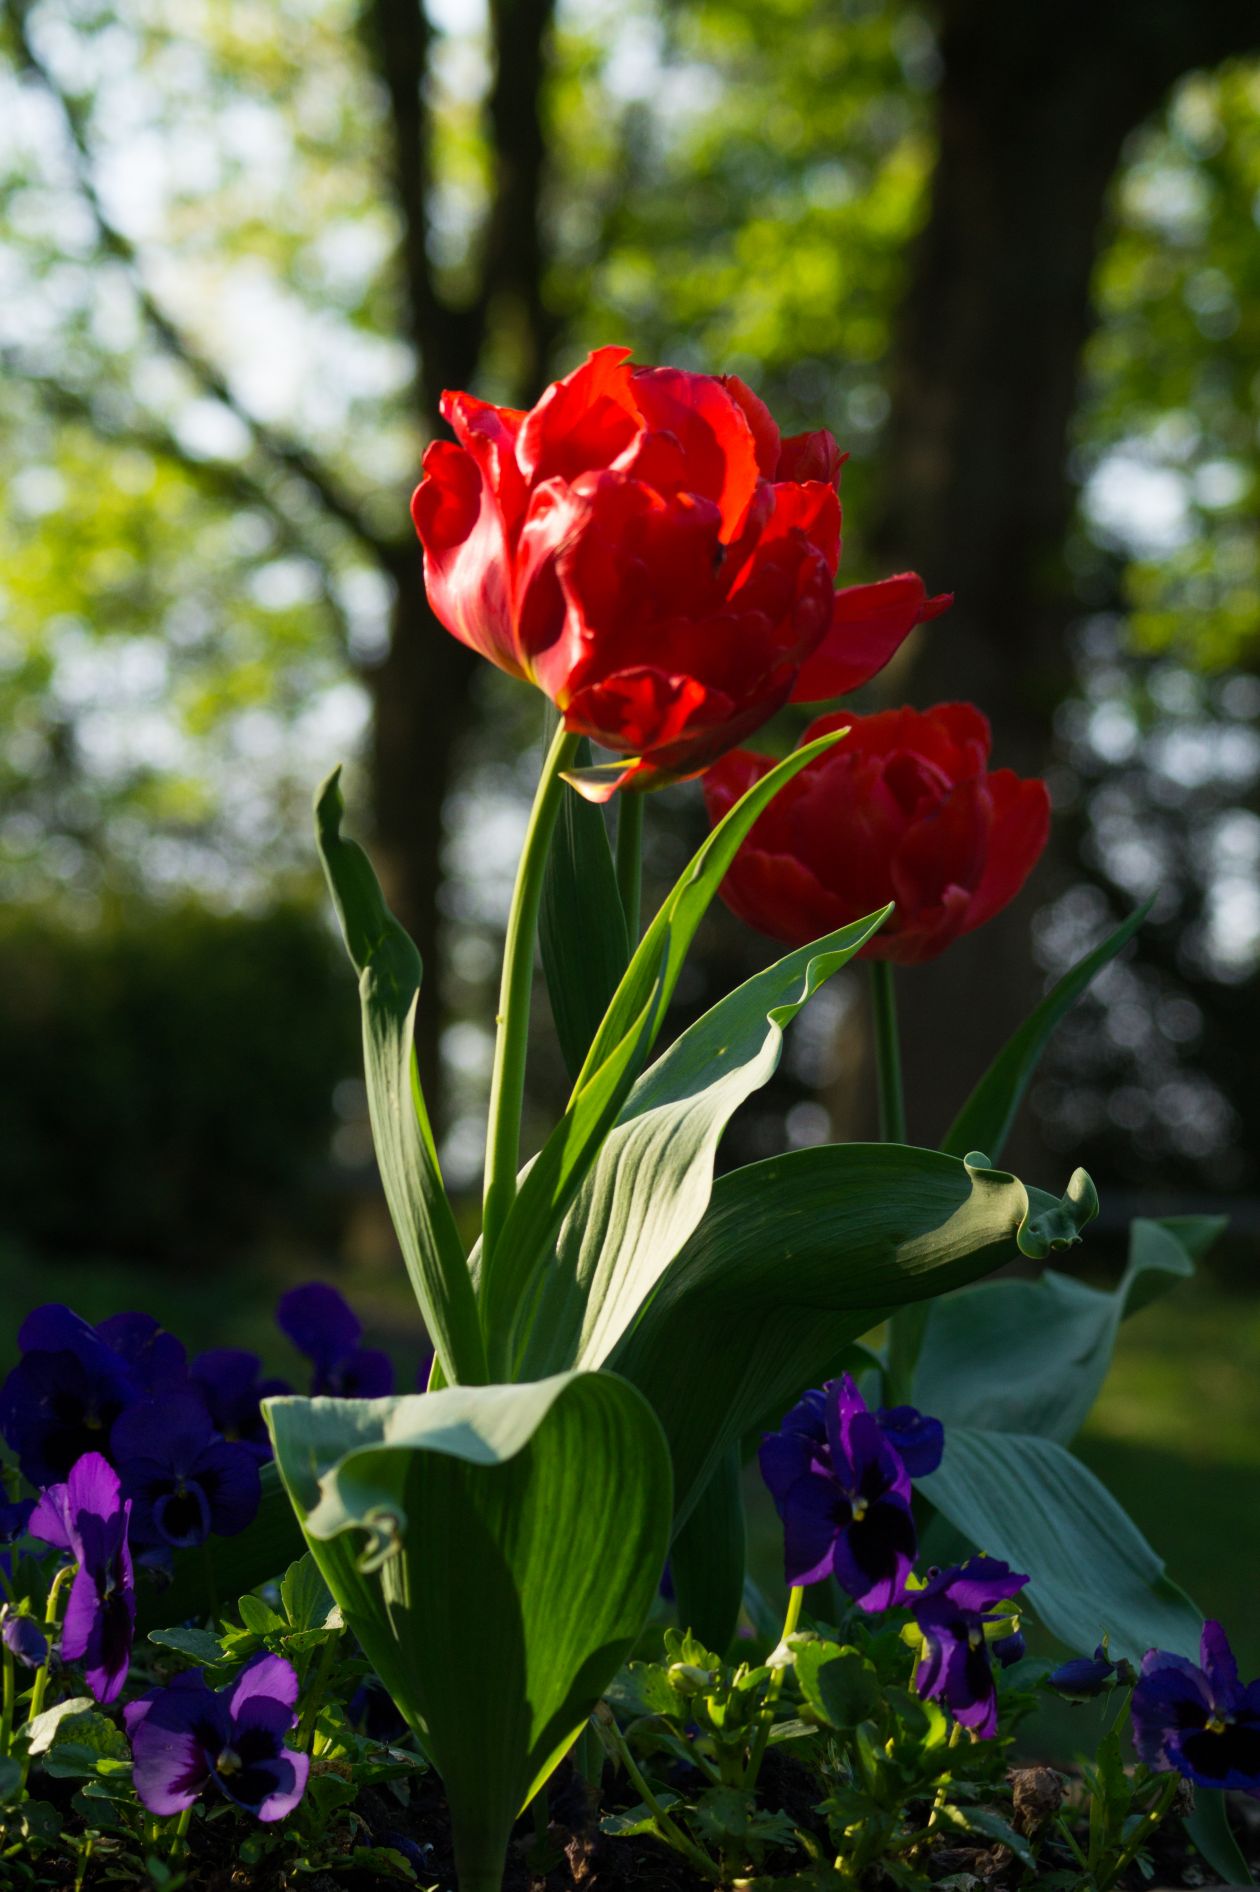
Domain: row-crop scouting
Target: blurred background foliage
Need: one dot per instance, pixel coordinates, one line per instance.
(1014, 265)
(1010, 255)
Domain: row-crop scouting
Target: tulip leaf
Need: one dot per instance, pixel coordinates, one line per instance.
(985, 1120)
(707, 1557)
(495, 1550)
(1031, 1356)
(1091, 1571)
(796, 1258)
(650, 1182)
(618, 1053)
(581, 925)
(389, 990)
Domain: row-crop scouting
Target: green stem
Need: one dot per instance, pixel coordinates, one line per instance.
(892, 1106)
(630, 861)
(774, 1688)
(316, 1688)
(507, 1083)
(1142, 1832)
(905, 1328)
(10, 1696)
(666, 1829)
(40, 1686)
(180, 1836)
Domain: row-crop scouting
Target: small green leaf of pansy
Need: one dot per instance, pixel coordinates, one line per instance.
(306, 1598)
(39, 1733)
(197, 1644)
(794, 1259)
(838, 1684)
(985, 1119)
(389, 990)
(494, 1545)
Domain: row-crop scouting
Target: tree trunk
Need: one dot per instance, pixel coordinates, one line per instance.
(1035, 103)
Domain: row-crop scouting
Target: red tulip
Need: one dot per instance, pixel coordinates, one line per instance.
(903, 809)
(644, 547)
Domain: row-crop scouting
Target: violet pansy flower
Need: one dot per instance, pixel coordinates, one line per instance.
(917, 1438)
(182, 1479)
(64, 1394)
(88, 1517)
(953, 1611)
(1200, 1720)
(188, 1736)
(323, 1327)
(844, 1500)
(15, 1515)
(227, 1379)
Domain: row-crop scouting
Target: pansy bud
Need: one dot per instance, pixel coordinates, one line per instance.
(690, 1680)
(24, 1639)
(1009, 1649)
(1084, 1678)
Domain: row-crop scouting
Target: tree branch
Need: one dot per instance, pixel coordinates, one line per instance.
(226, 478)
(273, 442)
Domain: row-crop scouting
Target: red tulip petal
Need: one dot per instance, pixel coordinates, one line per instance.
(581, 423)
(813, 456)
(467, 569)
(945, 847)
(765, 431)
(636, 710)
(713, 431)
(1020, 830)
(870, 623)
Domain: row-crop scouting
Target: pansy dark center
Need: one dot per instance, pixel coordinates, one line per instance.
(860, 1507)
(1216, 1724)
(229, 1762)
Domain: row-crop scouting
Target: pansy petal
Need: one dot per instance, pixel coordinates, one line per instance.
(270, 1677)
(319, 1322)
(809, 1530)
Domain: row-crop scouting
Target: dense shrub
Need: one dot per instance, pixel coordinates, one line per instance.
(176, 1071)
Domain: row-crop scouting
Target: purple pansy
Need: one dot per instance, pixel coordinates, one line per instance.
(1083, 1677)
(73, 1380)
(844, 1500)
(188, 1735)
(953, 1611)
(182, 1479)
(917, 1438)
(323, 1327)
(23, 1638)
(227, 1379)
(88, 1517)
(1201, 1720)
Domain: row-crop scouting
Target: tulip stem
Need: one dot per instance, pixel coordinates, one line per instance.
(905, 1328)
(892, 1104)
(507, 1082)
(630, 861)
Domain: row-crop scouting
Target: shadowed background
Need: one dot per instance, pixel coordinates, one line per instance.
(1009, 255)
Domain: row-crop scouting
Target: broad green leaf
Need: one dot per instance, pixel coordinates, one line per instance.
(581, 925)
(839, 1684)
(389, 990)
(985, 1120)
(1031, 1356)
(1091, 1572)
(650, 1183)
(495, 1550)
(205, 1579)
(797, 1257)
(1209, 1828)
(618, 1053)
(706, 1559)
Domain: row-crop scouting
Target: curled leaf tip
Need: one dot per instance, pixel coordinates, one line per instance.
(1059, 1225)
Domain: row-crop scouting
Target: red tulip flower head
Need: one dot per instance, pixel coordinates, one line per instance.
(645, 548)
(903, 809)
